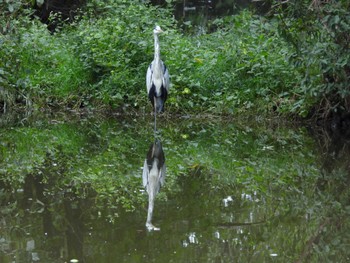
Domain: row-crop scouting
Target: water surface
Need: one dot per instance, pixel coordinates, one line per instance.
(236, 191)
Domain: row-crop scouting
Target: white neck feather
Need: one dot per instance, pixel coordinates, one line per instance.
(156, 49)
(157, 65)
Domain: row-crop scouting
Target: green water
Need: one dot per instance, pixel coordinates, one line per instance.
(247, 190)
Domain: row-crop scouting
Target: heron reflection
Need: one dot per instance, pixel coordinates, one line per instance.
(153, 177)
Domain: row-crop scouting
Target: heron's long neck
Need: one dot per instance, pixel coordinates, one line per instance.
(156, 50)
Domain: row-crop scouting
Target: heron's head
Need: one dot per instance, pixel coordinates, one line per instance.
(157, 30)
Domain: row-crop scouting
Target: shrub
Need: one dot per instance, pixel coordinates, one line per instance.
(240, 64)
(40, 67)
(319, 34)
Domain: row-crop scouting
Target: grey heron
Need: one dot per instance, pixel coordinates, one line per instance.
(157, 78)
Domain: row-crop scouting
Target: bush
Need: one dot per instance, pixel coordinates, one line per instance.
(40, 68)
(319, 34)
(241, 65)
(288, 62)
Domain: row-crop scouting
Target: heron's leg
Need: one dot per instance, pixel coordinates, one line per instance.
(155, 115)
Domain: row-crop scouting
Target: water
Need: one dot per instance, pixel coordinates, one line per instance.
(236, 191)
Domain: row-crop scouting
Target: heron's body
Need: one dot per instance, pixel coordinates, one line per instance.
(153, 176)
(157, 78)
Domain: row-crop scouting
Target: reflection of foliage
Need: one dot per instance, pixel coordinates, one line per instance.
(333, 236)
(90, 170)
(69, 159)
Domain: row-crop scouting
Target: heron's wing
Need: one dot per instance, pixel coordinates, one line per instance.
(145, 174)
(162, 175)
(166, 77)
(149, 78)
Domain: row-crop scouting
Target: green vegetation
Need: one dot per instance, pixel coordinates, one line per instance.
(318, 32)
(292, 61)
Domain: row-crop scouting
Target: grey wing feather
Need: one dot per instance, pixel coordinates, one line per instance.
(149, 78)
(145, 174)
(166, 77)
